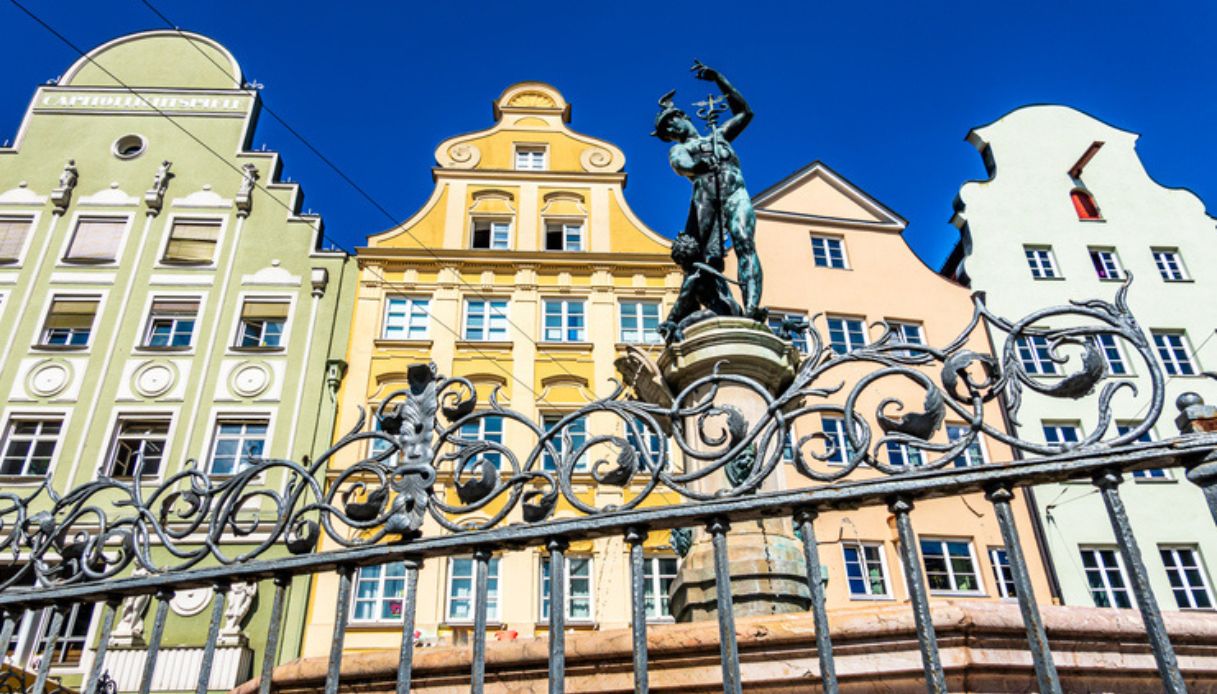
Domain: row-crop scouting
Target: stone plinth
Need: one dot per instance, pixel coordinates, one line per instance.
(983, 648)
(768, 572)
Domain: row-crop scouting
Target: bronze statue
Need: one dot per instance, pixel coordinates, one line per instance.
(721, 208)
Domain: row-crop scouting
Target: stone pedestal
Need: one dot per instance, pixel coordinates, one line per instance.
(768, 571)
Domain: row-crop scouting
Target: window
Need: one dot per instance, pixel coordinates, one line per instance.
(1105, 575)
(378, 593)
(788, 445)
(491, 234)
(461, 583)
(73, 636)
(578, 588)
(262, 323)
(576, 429)
(1123, 428)
(1109, 347)
(405, 318)
(798, 337)
(1041, 262)
(973, 453)
(1173, 352)
(171, 323)
(192, 241)
(658, 573)
(950, 566)
(1169, 262)
(564, 236)
(238, 443)
(13, 233)
(489, 428)
(649, 442)
(564, 321)
(69, 322)
(95, 240)
(1106, 264)
(1003, 575)
(377, 446)
(838, 447)
(1035, 355)
(845, 334)
(29, 446)
(828, 252)
(1062, 433)
(640, 322)
(1083, 204)
(530, 158)
(486, 321)
(138, 440)
(865, 570)
(1187, 576)
(899, 454)
(907, 333)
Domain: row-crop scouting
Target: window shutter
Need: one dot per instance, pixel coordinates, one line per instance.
(264, 310)
(12, 238)
(174, 307)
(96, 239)
(192, 241)
(72, 313)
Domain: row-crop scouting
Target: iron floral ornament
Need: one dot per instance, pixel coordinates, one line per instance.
(423, 458)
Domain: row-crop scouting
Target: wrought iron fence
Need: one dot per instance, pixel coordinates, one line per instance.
(73, 546)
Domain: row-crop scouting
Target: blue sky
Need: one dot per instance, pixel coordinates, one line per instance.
(882, 92)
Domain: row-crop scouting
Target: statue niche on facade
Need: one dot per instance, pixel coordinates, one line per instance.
(721, 208)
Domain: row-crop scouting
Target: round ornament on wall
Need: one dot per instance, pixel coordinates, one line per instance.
(48, 378)
(249, 379)
(187, 603)
(154, 379)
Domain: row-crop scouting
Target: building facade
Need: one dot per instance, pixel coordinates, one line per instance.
(527, 274)
(1069, 213)
(832, 255)
(165, 304)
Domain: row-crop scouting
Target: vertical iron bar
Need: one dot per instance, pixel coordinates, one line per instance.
(481, 599)
(1037, 638)
(154, 642)
(1204, 475)
(110, 608)
(213, 634)
(635, 536)
(341, 615)
(803, 519)
(405, 666)
(271, 654)
(727, 644)
(935, 678)
(11, 618)
(1159, 642)
(557, 615)
(48, 653)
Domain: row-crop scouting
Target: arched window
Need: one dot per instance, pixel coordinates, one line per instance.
(1083, 203)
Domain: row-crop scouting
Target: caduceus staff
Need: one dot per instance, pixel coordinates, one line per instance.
(708, 111)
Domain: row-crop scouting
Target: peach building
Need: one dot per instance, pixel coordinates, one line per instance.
(834, 255)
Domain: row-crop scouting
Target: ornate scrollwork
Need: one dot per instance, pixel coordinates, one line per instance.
(427, 456)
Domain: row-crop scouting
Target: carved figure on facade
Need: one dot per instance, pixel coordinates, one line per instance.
(244, 199)
(62, 194)
(129, 626)
(154, 198)
(240, 599)
(721, 208)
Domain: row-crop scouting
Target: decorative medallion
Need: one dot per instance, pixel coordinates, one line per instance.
(187, 603)
(154, 379)
(48, 378)
(249, 379)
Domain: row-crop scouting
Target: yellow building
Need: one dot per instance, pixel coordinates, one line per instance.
(525, 272)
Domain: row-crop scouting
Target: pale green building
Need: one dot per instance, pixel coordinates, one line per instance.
(162, 298)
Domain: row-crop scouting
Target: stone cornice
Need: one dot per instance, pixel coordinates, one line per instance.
(533, 260)
(499, 176)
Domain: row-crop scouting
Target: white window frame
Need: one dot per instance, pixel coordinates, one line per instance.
(909, 457)
(951, 574)
(654, 584)
(1150, 475)
(1003, 573)
(578, 438)
(69, 296)
(494, 320)
(1110, 260)
(1168, 354)
(380, 598)
(837, 433)
(532, 149)
(802, 341)
(1041, 260)
(902, 330)
(1033, 352)
(110, 453)
(1101, 566)
(8, 434)
(63, 260)
(828, 241)
(167, 232)
(1113, 353)
(1060, 426)
(237, 327)
(966, 456)
(1163, 257)
(567, 227)
(564, 315)
(32, 219)
(860, 546)
(590, 596)
(638, 319)
(474, 463)
(492, 221)
(492, 590)
(1186, 586)
(243, 418)
(153, 316)
(412, 305)
(848, 323)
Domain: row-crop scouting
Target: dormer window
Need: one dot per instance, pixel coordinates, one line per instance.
(1084, 205)
(564, 236)
(491, 234)
(531, 158)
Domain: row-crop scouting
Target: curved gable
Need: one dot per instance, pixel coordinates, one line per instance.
(164, 59)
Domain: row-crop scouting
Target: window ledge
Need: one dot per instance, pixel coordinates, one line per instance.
(1048, 279)
(88, 262)
(505, 345)
(387, 343)
(622, 346)
(872, 598)
(22, 479)
(157, 350)
(60, 348)
(1185, 280)
(452, 624)
(256, 350)
(1152, 480)
(1091, 219)
(565, 346)
(958, 594)
(171, 262)
(581, 624)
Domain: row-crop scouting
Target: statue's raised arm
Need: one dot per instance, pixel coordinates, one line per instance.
(741, 113)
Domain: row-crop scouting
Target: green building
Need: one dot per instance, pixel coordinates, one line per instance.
(162, 298)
